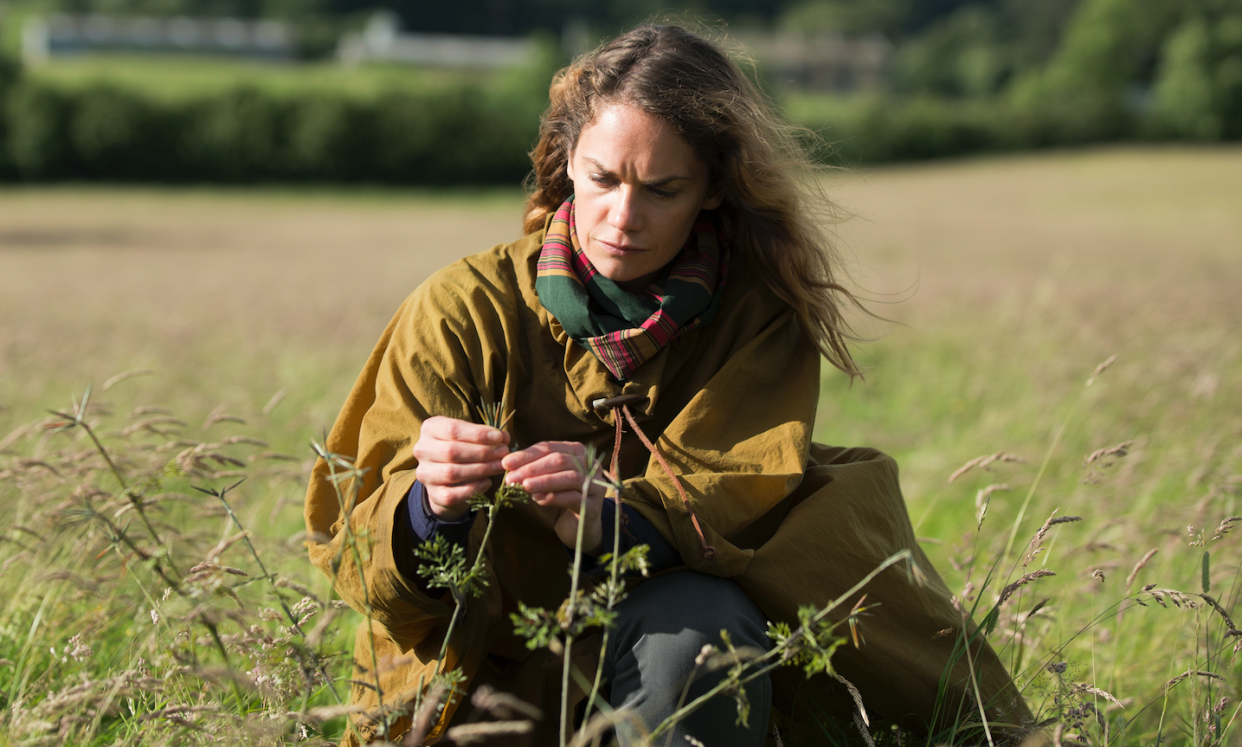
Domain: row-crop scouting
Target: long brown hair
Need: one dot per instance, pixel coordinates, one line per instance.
(772, 204)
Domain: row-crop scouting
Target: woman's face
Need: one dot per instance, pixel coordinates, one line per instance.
(638, 187)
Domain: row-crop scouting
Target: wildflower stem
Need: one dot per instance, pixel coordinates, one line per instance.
(78, 418)
(614, 578)
(776, 651)
(459, 595)
(293, 620)
(573, 601)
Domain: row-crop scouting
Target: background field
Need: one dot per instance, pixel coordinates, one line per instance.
(1006, 283)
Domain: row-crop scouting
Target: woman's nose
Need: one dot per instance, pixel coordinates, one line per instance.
(626, 213)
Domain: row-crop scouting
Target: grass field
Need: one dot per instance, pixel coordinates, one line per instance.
(1006, 282)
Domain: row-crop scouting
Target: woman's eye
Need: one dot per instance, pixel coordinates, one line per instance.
(600, 179)
(665, 194)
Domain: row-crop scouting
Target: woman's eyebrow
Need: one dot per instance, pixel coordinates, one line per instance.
(605, 171)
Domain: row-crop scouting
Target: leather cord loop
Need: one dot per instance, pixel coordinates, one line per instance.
(623, 403)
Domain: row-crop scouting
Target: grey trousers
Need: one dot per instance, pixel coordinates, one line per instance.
(662, 626)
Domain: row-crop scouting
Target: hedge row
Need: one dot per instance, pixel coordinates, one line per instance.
(885, 129)
(466, 136)
(477, 135)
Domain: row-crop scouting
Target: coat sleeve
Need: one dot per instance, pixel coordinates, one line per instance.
(433, 358)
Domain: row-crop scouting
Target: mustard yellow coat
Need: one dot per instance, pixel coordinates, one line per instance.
(730, 407)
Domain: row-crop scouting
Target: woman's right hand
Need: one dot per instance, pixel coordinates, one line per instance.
(456, 460)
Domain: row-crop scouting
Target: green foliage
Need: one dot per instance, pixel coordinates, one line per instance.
(963, 55)
(246, 134)
(38, 134)
(811, 645)
(446, 569)
(114, 133)
(1198, 92)
(10, 73)
(511, 494)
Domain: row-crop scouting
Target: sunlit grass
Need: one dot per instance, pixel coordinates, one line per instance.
(1014, 279)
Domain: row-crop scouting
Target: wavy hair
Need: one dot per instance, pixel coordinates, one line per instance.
(772, 205)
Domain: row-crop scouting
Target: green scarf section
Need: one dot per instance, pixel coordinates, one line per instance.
(623, 329)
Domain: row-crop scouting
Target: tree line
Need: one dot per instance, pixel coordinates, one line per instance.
(1000, 75)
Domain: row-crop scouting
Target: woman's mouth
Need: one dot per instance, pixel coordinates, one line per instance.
(619, 249)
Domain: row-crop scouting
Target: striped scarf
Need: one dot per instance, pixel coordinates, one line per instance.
(623, 329)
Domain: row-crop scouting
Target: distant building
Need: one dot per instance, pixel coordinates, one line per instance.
(64, 36)
(383, 41)
(822, 62)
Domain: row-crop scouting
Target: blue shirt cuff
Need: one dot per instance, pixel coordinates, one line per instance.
(635, 530)
(425, 525)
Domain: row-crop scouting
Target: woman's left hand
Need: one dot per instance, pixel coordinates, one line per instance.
(552, 472)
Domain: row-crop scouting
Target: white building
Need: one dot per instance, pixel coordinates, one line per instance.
(383, 41)
(823, 61)
(64, 35)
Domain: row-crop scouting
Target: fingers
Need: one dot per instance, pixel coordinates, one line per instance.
(451, 502)
(457, 452)
(450, 429)
(543, 457)
(456, 460)
(448, 473)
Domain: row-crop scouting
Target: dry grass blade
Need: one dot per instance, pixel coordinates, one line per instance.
(425, 716)
(124, 375)
(215, 418)
(15, 435)
(180, 710)
(983, 499)
(860, 712)
(1225, 527)
(73, 578)
(274, 401)
(1139, 566)
(857, 696)
(1036, 545)
(245, 440)
(209, 567)
(149, 424)
(327, 713)
(504, 705)
(482, 732)
(982, 462)
(1118, 451)
(601, 722)
(221, 546)
(29, 464)
(145, 410)
(1110, 360)
(1219, 609)
(1193, 673)
(1023, 581)
(1096, 691)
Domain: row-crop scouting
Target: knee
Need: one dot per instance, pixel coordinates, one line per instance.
(687, 610)
(651, 659)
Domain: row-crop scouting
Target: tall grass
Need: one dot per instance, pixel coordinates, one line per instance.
(1047, 271)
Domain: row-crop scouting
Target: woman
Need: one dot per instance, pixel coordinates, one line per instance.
(671, 281)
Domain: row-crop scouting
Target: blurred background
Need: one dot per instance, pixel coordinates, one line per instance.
(436, 93)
